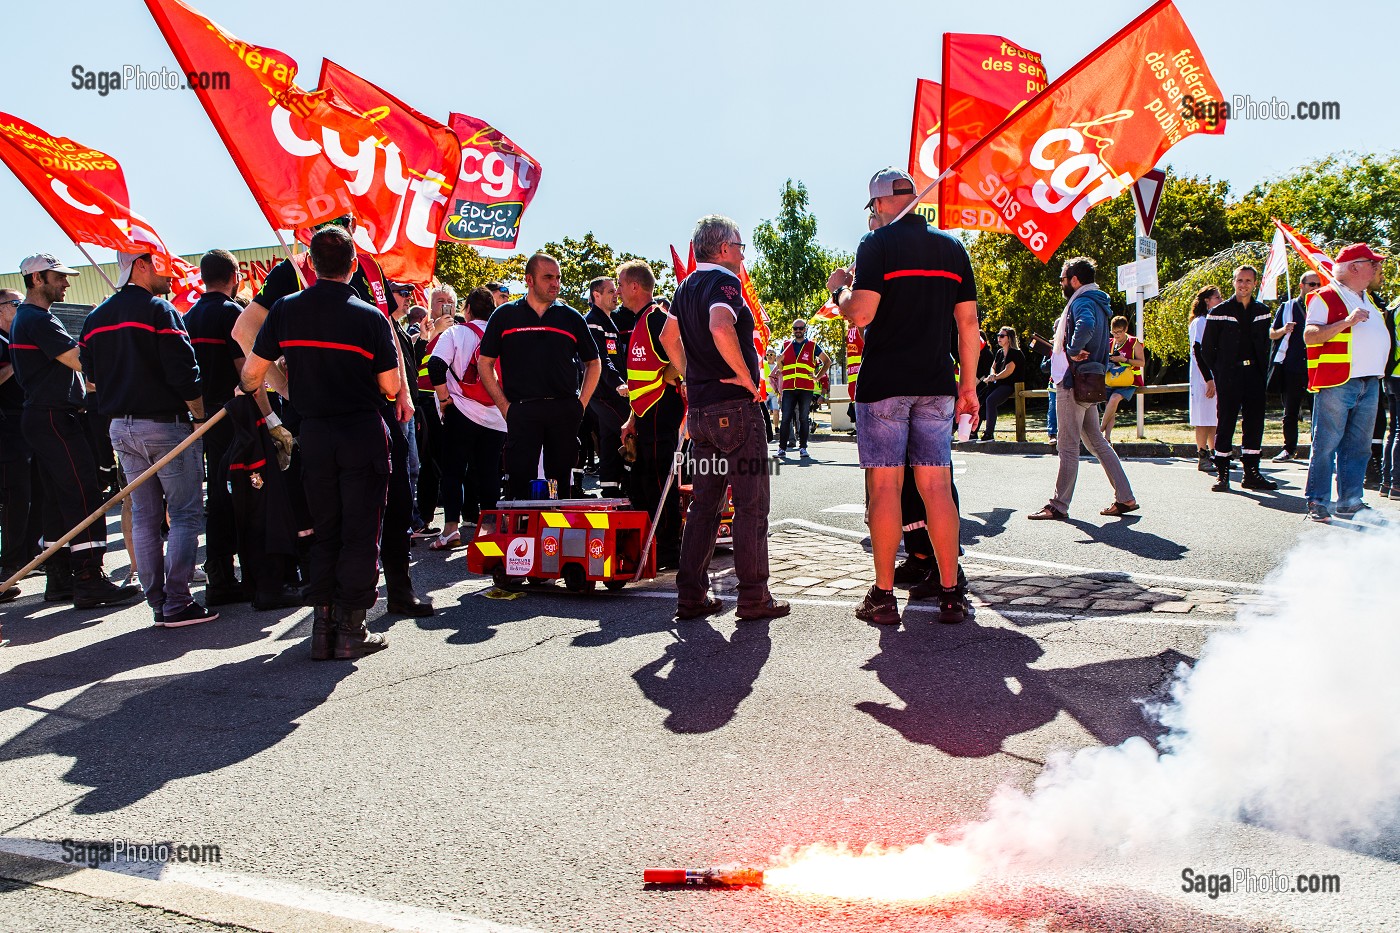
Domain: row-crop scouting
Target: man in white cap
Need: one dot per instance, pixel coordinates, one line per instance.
(136, 352)
(912, 291)
(1349, 347)
(46, 364)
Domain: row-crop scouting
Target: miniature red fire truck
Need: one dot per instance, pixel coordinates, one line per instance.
(581, 541)
(725, 537)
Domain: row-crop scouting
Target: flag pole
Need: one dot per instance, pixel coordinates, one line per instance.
(94, 264)
(655, 519)
(918, 198)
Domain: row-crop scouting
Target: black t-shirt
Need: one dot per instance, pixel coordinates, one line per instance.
(666, 415)
(539, 353)
(282, 281)
(999, 361)
(920, 274)
(711, 286)
(210, 325)
(11, 395)
(37, 340)
(607, 337)
(336, 346)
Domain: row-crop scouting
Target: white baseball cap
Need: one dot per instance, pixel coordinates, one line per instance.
(44, 262)
(125, 263)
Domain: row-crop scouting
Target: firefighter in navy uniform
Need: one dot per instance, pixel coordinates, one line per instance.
(609, 403)
(210, 326)
(658, 408)
(341, 365)
(46, 364)
(1235, 350)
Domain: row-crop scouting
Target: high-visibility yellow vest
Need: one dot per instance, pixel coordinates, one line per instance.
(799, 367)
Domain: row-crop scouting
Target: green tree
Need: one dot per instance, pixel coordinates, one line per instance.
(464, 268)
(582, 261)
(1344, 197)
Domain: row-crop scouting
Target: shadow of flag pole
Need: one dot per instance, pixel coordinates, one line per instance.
(115, 500)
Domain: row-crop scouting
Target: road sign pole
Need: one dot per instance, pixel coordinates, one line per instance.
(1141, 397)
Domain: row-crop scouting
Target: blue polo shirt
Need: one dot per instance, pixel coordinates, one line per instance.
(920, 274)
(37, 340)
(135, 350)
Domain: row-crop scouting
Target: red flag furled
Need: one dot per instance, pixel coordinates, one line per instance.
(984, 79)
(682, 269)
(1096, 130)
(289, 145)
(495, 184)
(84, 191)
(829, 311)
(925, 151)
(399, 216)
(761, 329)
(1316, 259)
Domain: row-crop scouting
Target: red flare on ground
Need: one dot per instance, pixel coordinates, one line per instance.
(717, 877)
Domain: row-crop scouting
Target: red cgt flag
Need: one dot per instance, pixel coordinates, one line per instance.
(399, 216)
(84, 191)
(1095, 130)
(985, 78)
(289, 145)
(925, 149)
(682, 269)
(761, 329)
(1316, 259)
(495, 185)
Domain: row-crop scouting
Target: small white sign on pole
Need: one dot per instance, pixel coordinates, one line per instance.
(1147, 277)
(1128, 278)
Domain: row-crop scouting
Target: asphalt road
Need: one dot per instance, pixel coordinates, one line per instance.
(520, 761)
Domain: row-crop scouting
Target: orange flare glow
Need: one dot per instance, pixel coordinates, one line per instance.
(917, 872)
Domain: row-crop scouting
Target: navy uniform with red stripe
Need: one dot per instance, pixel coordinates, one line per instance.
(210, 325)
(539, 355)
(53, 397)
(335, 346)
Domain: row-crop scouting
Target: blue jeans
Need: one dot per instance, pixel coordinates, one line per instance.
(1390, 450)
(415, 466)
(1052, 421)
(178, 489)
(1343, 420)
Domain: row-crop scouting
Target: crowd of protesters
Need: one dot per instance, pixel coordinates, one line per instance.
(351, 415)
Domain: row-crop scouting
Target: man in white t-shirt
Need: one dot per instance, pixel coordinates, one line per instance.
(1348, 348)
(473, 430)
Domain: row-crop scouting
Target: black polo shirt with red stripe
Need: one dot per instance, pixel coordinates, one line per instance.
(539, 353)
(920, 274)
(210, 325)
(135, 350)
(335, 344)
(37, 340)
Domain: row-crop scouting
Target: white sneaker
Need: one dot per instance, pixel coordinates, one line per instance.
(1282, 456)
(199, 576)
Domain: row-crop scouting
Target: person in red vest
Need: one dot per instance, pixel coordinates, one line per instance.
(1349, 350)
(798, 365)
(658, 408)
(855, 350)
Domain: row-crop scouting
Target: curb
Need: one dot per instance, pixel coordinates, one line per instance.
(1137, 449)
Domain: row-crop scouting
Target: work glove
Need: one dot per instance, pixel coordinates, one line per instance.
(284, 441)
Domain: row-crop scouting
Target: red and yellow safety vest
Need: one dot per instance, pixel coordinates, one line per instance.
(799, 367)
(425, 382)
(1329, 364)
(369, 266)
(646, 368)
(855, 348)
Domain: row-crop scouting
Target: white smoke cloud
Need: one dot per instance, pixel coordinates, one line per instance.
(1290, 720)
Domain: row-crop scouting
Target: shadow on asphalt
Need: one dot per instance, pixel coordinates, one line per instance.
(966, 690)
(702, 677)
(1121, 534)
(130, 738)
(992, 524)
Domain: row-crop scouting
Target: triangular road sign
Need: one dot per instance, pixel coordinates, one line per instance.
(1147, 194)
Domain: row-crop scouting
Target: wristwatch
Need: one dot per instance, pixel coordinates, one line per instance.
(836, 295)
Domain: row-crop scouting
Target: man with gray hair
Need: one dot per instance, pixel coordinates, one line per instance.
(709, 331)
(1349, 349)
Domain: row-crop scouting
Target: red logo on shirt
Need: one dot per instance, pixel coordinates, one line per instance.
(730, 291)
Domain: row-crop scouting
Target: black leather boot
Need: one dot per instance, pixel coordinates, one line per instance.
(91, 588)
(1253, 479)
(402, 599)
(223, 587)
(1222, 472)
(1204, 461)
(58, 583)
(352, 638)
(322, 634)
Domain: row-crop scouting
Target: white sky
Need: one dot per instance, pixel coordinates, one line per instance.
(647, 115)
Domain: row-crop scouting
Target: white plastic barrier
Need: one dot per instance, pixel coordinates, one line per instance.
(839, 400)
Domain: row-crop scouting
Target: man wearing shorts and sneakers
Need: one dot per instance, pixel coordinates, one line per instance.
(913, 289)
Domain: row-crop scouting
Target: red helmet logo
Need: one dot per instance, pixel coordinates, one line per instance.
(520, 549)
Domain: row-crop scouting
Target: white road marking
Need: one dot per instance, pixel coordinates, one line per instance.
(145, 881)
(1029, 562)
(848, 509)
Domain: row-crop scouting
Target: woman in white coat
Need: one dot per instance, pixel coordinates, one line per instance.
(1202, 407)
